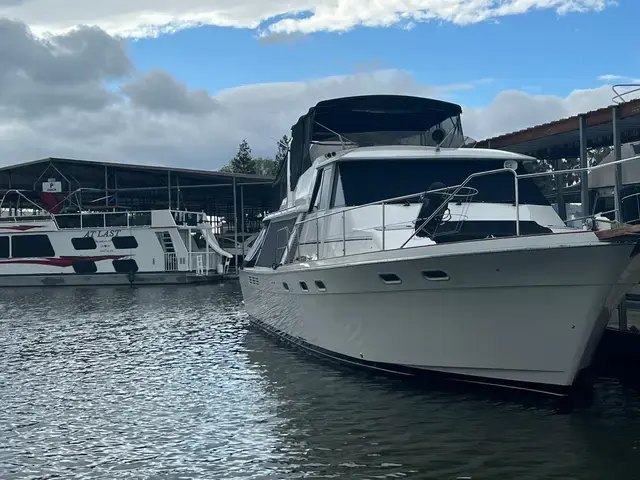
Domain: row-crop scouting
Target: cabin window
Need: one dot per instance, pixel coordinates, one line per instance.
(362, 182)
(275, 242)
(125, 266)
(4, 247)
(84, 266)
(27, 246)
(252, 254)
(124, 242)
(84, 243)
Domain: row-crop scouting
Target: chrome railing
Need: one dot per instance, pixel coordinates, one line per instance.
(450, 193)
(619, 96)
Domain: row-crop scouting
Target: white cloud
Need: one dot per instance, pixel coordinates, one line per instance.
(54, 101)
(609, 77)
(143, 18)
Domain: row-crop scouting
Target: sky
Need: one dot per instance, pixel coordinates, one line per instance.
(182, 83)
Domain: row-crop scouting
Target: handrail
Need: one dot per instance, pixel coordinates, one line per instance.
(450, 195)
(468, 179)
(574, 170)
(19, 192)
(619, 96)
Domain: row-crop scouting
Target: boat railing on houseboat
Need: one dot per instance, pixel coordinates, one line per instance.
(620, 97)
(379, 229)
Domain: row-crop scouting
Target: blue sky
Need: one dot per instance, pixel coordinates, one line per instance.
(203, 81)
(540, 52)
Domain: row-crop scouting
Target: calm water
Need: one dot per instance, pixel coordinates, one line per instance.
(170, 383)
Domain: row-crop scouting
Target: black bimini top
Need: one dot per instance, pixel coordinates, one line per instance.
(363, 113)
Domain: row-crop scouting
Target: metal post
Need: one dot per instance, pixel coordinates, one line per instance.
(317, 238)
(178, 194)
(242, 213)
(106, 186)
(115, 186)
(617, 148)
(562, 208)
(383, 229)
(235, 222)
(344, 234)
(516, 187)
(584, 163)
(169, 187)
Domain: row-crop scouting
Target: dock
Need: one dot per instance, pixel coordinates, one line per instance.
(573, 138)
(237, 201)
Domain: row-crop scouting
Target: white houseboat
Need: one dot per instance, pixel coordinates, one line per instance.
(109, 246)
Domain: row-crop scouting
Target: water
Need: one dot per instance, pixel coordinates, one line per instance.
(170, 383)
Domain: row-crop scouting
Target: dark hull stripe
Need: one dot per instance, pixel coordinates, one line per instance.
(407, 371)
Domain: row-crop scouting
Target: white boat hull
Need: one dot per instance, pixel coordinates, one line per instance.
(529, 319)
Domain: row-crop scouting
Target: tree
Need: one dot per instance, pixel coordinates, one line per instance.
(283, 149)
(243, 162)
(266, 166)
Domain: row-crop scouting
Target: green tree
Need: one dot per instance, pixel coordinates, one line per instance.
(266, 166)
(283, 149)
(243, 162)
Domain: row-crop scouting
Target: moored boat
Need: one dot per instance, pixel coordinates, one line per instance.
(398, 249)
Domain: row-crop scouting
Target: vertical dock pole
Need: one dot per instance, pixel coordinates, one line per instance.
(235, 222)
(584, 163)
(559, 179)
(617, 149)
(242, 220)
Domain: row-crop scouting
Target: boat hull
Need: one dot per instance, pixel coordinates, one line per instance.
(100, 279)
(527, 319)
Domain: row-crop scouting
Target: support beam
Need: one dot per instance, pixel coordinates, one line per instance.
(242, 217)
(169, 187)
(178, 193)
(235, 222)
(559, 179)
(584, 163)
(106, 186)
(617, 149)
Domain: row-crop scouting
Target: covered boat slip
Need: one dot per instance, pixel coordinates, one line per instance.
(91, 194)
(613, 190)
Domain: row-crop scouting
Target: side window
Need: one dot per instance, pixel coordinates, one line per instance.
(317, 192)
(26, 246)
(322, 189)
(338, 192)
(4, 247)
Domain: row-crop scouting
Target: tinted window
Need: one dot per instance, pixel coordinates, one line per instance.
(371, 181)
(125, 266)
(4, 247)
(275, 242)
(25, 246)
(250, 257)
(84, 243)
(84, 266)
(124, 242)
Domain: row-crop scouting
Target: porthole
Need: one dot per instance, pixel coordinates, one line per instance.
(321, 286)
(390, 278)
(435, 275)
(285, 285)
(304, 287)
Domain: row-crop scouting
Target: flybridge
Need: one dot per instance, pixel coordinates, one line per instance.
(369, 120)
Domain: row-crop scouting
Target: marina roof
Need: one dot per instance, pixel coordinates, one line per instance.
(561, 138)
(144, 186)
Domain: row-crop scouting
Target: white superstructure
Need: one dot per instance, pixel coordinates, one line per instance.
(108, 248)
(419, 258)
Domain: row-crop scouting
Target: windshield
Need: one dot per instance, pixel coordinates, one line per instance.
(361, 182)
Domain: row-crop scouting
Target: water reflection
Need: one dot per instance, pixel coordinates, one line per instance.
(170, 383)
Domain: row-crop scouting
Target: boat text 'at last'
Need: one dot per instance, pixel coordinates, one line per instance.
(102, 233)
